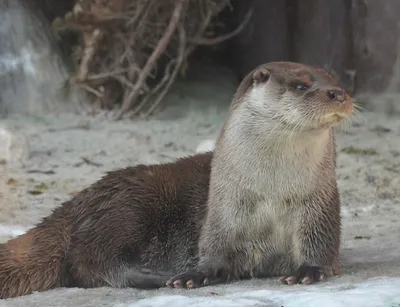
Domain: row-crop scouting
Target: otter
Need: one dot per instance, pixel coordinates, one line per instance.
(263, 203)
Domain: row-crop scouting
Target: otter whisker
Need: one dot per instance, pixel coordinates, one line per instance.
(357, 105)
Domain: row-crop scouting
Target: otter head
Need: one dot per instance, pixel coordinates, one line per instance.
(293, 95)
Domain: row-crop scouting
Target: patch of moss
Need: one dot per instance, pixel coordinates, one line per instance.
(360, 151)
(38, 189)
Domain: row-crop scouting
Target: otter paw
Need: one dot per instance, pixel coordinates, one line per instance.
(188, 280)
(306, 275)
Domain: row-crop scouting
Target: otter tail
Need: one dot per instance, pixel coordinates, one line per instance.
(33, 261)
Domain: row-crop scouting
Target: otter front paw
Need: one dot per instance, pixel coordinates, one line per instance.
(305, 275)
(189, 280)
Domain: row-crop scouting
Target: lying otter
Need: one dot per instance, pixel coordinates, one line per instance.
(264, 203)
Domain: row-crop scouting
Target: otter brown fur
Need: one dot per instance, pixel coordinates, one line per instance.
(265, 203)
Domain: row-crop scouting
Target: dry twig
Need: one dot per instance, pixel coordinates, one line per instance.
(132, 50)
(151, 61)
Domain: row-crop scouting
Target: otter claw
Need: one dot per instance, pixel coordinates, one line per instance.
(306, 275)
(189, 284)
(188, 280)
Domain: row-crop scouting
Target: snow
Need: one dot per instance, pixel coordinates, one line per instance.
(374, 292)
(11, 231)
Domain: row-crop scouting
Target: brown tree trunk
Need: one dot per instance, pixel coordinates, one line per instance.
(376, 31)
(321, 35)
(264, 39)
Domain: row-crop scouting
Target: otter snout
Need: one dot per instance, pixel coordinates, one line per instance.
(336, 94)
(341, 105)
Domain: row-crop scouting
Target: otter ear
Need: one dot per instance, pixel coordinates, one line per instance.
(261, 75)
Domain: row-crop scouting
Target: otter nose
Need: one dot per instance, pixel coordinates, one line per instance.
(336, 94)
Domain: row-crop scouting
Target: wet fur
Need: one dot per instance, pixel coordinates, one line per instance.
(270, 208)
(136, 227)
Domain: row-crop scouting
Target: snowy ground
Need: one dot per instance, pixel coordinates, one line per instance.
(69, 152)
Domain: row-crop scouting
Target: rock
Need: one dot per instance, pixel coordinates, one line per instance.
(14, 146)
(205, 145)
(32, 71)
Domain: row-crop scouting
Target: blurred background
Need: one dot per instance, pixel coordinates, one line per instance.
(127, 54)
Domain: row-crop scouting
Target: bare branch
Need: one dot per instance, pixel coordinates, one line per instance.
(161, 46)
(139, 45)
(220, 39)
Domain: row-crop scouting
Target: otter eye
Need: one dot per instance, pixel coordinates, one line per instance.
(301, 87)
